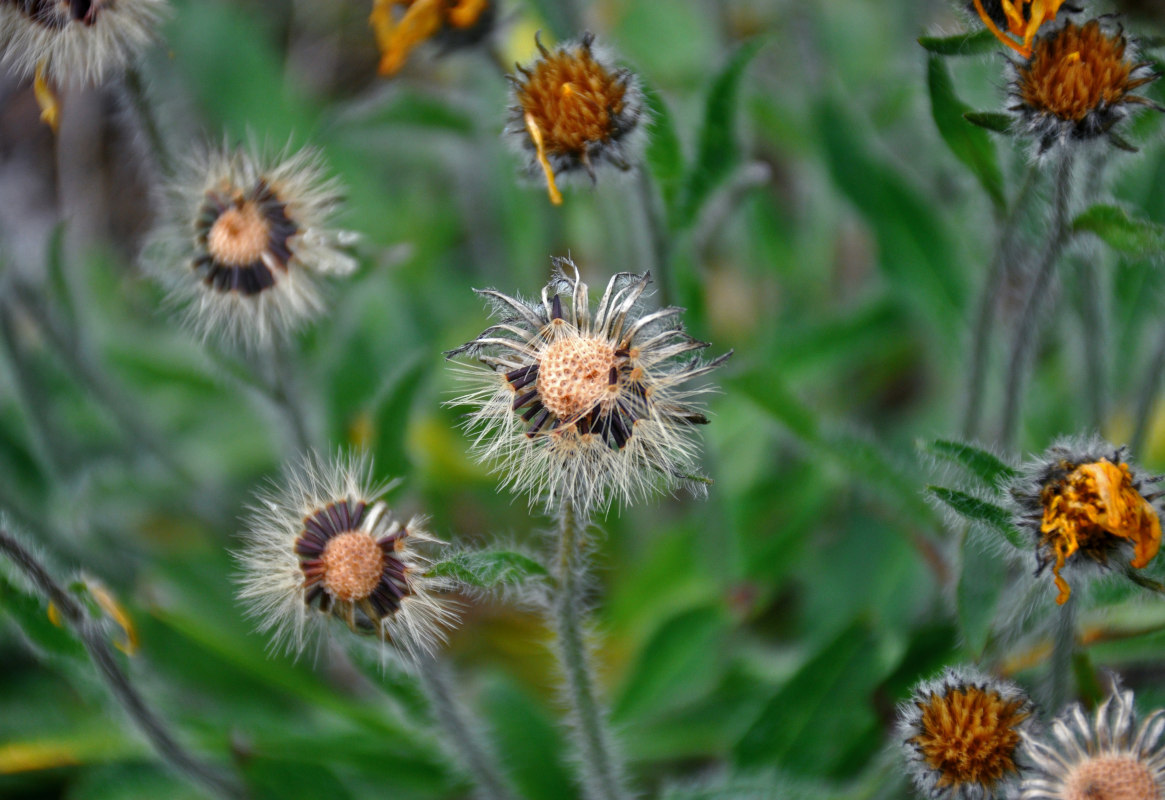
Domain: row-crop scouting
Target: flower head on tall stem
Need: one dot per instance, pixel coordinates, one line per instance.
(1106, 758)
(1084, 505)
(322, 544)
(1079, 84)
(961, 732)
(573, 110)
(452, 23)
(581, 405)
(243, 236)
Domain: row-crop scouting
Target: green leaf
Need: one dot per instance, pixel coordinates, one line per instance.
(528, 738)
(820, 712)
(677, 665)
(488, 569)
(719, 149)
(980, 584)
(971, 145)
(995, 121)
(963, 44)
(985, 466)
(1121, 231)
(30, 613)
(976, 510)
(665, 155)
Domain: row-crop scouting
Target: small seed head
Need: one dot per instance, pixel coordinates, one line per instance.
(240, 236)
(573, 375)
(1111, 778)
(353, 563)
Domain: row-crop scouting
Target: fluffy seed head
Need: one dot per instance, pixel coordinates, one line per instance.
(586, 405)
(1107, 758)
(242, 238)
(76, 40)
(573, 110)
(1078, 84)
(320, 543)
(961, 733)
(1083, 504)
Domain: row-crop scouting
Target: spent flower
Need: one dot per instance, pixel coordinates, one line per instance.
(1022, 19)
(961, 732)
(451, 23)
(321, 543)
(570, 403)
(1106, 758)
(241, 239)
(1084, 506)
(573, 109)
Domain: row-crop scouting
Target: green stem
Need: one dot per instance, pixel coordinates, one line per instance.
(602, 774)
(465, 739)
(989, 300)
(1027, 327)
(1063, 648)
(97, 645)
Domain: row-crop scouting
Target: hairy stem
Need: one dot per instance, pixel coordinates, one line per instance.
(989, 300)
(97, 645)
(1027, 327)
(1063, 648)
(601, 772)
(464, 738)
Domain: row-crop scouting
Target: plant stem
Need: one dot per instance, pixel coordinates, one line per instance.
(1027, 328)
(454, 720)
(1147, 399)
(97, 645)
(988, 301)
(1063, 648)
(135, 90)
(658, 234)
(602, 774)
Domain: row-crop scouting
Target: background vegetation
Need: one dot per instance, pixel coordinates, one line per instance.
(818, 224)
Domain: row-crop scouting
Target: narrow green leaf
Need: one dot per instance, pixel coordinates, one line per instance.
(30, 613)
(527, 735)
(976, 510)
(719, 149)
(971, 145)
(820, 711)
(995, 121)
(985, 466)
(487, 569)
(963, 44)
(665, 155)
(1120, 231)
(980, 584)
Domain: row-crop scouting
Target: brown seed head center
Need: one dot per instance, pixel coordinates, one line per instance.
(969, 735)
(1091, 511)
(353, 563)
(239, 236)
(573, 375)
(1076, 71)
(573, 100)
(1111, 778)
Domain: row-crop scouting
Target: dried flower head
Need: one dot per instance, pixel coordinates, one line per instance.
(1084, 505)
(961, 732)
(453, 23)
(241, 239)
(75, 40)
(574, 110)
(1021, 18)
(585, 406)
(1103, 759)
(1078, 84)
(321, 543)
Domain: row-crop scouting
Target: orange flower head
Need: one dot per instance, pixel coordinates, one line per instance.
(961, 734)
(573, 110)
(1021, 18)
(1078, 83)
(455, 21)
(1092, 510)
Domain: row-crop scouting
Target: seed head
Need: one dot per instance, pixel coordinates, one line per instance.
(75, 40)
(1078, 84)
(452, 23)
(1083, 504)
(588, 406)
(1103, 759)
(960, 734)
(574, 110)
(241, 239)
(321, 543)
